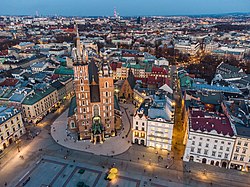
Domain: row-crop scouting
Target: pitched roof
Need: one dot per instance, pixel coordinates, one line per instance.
(39, 94)
(7, 113)
(209, 121)
(57, 84)
(166, 88)
(64, 71)
(9, 82)
(131, 79)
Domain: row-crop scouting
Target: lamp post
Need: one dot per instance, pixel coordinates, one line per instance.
(18, 145)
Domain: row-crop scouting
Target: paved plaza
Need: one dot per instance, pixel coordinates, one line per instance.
(54, 172)
(112, 146)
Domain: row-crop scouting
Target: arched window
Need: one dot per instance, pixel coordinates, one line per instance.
(106, 84)
(81, 81)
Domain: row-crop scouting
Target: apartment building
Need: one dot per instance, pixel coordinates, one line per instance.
(39, 104)
(11, 126)
(153, 122)
(210, 138)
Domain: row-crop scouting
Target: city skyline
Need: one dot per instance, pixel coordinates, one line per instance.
(124, 8)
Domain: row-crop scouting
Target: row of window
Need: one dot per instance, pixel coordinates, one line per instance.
(241, 143)
(106, 85)
(244, 150)
(6, 126)
(214, 146)
(11, 121)
(138, 123)
(8, 133)
(142, 129)
(241, 157)
(205, 152)
(208, 140)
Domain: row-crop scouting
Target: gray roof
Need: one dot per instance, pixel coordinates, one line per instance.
(227, 68)
(6, 113)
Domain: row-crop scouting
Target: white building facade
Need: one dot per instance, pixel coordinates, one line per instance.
(241, 154)
(159, 134)
(210, 139)
(11, 126)
(153, 123)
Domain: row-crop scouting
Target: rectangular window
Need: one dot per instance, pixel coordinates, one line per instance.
(207, 145)
(241, 158)
(213, 153)
(199, 143)
(246, 144)
(193, 142)
(192, 149)
(215, 146)
(237, 149)
(221, 147)
(205, 152)
(244, 150)
(239, 143)
(199, 150)
(219, 154)
(226, 156)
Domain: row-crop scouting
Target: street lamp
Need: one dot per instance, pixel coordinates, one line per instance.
(18, 145)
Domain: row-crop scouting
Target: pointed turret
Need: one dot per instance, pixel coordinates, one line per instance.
(80, 53)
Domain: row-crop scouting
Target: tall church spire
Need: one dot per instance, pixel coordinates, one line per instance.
(80, 53)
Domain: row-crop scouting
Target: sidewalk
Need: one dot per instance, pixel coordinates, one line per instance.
(111, 146)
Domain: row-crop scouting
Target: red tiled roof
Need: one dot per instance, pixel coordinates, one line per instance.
(113, 66)
(119, 65)
(69, 30)
(4, 52)
(210, 121)
(159, 70)
(9, 82)
(54, 77)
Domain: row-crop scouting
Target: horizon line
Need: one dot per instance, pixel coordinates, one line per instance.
(170, 15)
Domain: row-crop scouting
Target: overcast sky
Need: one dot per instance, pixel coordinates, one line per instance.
(124, 7)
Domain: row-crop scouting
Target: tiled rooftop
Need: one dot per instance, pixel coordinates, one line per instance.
(209, 121)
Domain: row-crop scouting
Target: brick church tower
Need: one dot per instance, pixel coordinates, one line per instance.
(94, 90)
